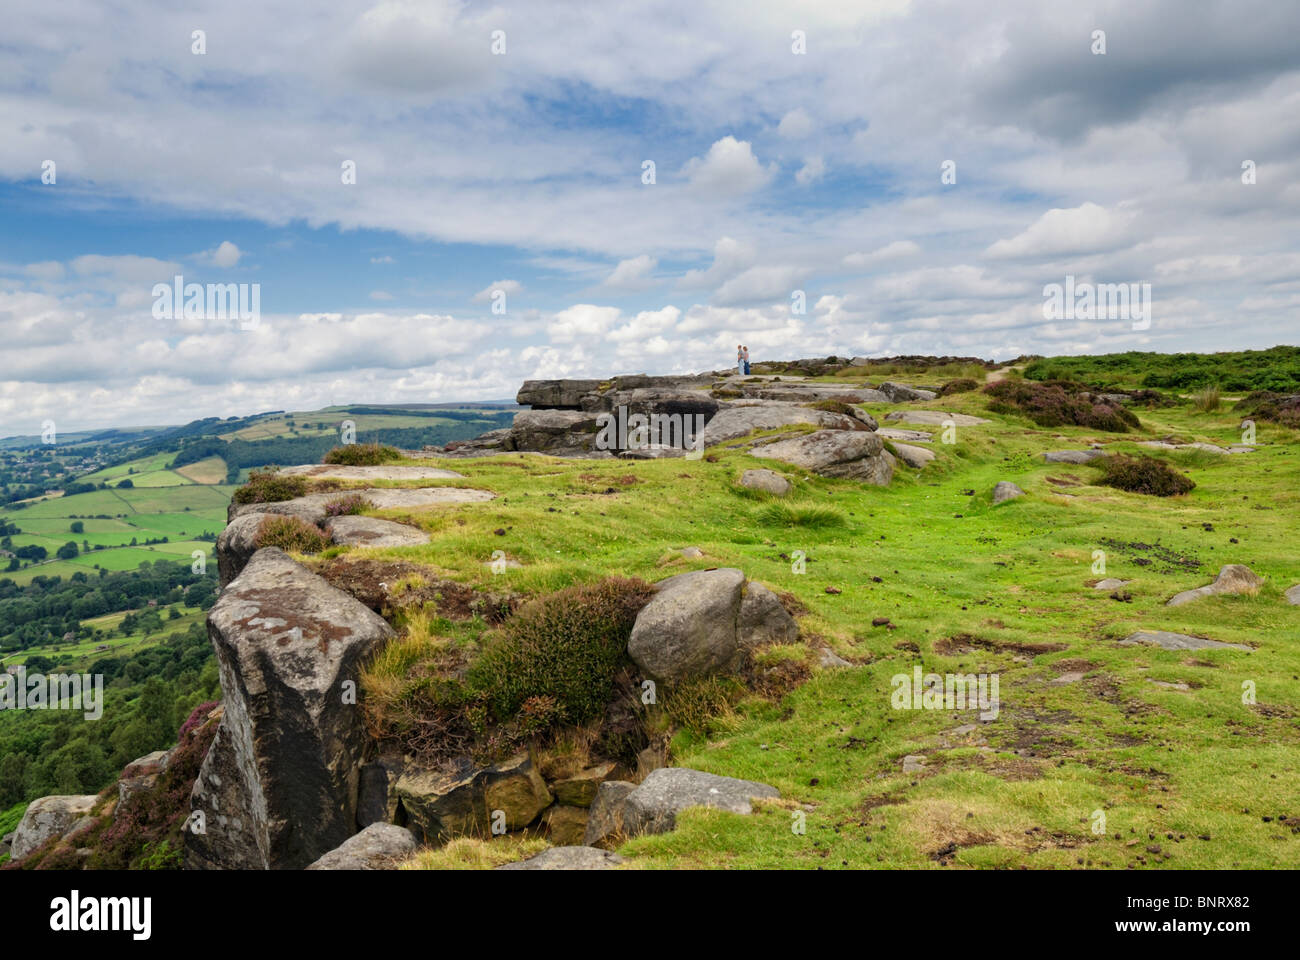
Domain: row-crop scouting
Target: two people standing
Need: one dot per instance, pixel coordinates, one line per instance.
(742, 360)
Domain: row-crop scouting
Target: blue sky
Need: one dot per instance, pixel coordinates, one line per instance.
(777, 172)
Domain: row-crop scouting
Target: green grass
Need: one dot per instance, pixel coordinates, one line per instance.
(942, 563)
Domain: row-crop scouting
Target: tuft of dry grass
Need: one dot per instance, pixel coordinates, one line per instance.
(469, 853)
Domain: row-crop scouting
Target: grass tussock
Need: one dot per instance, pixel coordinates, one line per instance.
(1207, 399)
(270, 486)
(1142, 474)
(809, 516)
(468, 853)
(291, 534)
(960, 385)
(363, 455)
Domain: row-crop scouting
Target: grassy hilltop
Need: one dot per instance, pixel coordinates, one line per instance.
(1187, 774)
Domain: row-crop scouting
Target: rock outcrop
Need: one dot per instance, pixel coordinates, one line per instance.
(1176, 641)
(278, 788)
(1005, 490)
(460, 799)
(50, 817)
(314, 506)
(702, 622)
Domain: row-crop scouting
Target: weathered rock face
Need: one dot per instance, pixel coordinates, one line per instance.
(936, 418)
(378, 847)
(854, 455)
(605, 818)
(551, 394)
(236, 545)
(580, 789)
(653, 806)
(50, 817)
(805, 392)
(568, 858)
(278, 787)
(1232, 578)
(565, 825)
(444, 803)
(701, 622)
(768, 481)
(557, 432)
(1006, 490)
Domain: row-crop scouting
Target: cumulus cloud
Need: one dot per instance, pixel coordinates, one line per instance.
(729, 167)
(795, 125)
(508, 287)
(1088, 228)
(813, 169)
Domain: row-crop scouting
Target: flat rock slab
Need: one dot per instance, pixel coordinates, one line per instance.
(733, 422)
(1293, 595)
(342, 472)
(1176, 641)
(1110, 583)
(1232, 578)
(1073, 456)
(312, 507)
(378, 847)
(568, 858)
(911, 436)
(354, 531)
(936, 418)
(653, 806)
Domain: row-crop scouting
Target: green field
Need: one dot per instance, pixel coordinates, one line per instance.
(78, 656)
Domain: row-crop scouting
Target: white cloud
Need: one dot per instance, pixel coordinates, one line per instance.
(891, 251)
(795, 125)
(1088, 228)
(632, 274)
(729, 167)
(226, 254)
(583, 321)
(814, 168)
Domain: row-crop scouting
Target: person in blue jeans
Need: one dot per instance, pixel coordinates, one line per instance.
(744, 359)
(740, 360)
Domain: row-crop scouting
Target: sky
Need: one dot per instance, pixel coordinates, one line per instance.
(437, 200)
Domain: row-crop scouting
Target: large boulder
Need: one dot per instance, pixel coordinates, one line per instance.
(460, 799)
(853, 455)
(702, 622)
(545, 394)
(768, 481)
(278, 788)
(568, 858)
(689, 627)
(50, 817)
(914, 457)
(653, 806)
(1006, 490)
(1232, 578)
(379, 846)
